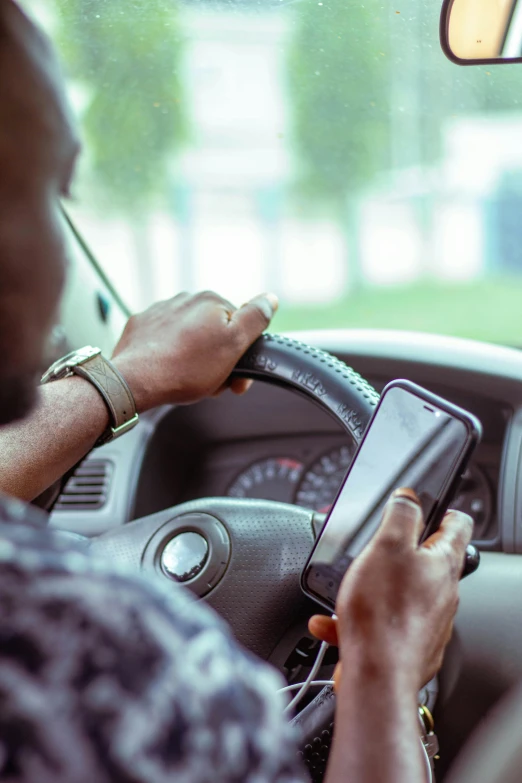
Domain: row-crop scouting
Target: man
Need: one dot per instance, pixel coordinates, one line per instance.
(102, 678)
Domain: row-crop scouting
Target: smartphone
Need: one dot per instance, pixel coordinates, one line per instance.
(415, 439)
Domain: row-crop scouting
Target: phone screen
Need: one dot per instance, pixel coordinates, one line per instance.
(410, 443)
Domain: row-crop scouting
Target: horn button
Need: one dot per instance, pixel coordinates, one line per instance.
(193, 549)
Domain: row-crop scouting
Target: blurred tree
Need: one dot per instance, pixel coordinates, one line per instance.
(339, 88)
(371, 94)
(370, 88)
(340, 92)
(448, 92)
(126, 54)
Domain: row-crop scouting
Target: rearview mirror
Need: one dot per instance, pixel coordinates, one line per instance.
(481, 31)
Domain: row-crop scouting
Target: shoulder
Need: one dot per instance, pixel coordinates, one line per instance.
(158, 674)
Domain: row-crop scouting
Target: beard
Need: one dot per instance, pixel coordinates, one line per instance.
(17, 396)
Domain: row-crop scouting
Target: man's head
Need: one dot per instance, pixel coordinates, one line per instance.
(38, 148)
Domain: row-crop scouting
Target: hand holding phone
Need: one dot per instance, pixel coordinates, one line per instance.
(415, 440)
(396, 605)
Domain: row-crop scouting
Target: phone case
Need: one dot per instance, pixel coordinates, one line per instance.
(474, 429)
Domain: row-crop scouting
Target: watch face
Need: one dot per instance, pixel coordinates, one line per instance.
(81, 355)
(69, 358)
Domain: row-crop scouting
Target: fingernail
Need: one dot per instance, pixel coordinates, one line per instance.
(273, 299)
(404, 493)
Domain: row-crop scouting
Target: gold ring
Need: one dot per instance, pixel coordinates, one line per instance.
(427, 718)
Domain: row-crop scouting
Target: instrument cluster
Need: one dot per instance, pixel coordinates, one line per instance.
(315, 486)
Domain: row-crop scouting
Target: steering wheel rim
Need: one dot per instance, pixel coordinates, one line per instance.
(322, 378)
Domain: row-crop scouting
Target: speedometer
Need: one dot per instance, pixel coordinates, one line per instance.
(320, 484)
(270, 479)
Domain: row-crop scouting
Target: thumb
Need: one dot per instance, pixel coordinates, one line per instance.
(337, 676)
(324, 628)
(253, 317)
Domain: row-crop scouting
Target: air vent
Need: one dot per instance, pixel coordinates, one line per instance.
(88, 487)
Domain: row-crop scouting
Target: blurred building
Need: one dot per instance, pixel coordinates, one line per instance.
(228, 223)
(237, 233)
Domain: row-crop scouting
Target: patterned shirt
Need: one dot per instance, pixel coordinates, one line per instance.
(105, 678)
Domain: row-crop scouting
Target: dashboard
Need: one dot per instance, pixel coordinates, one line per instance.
(272, 443)
(306, 468)
(292, 479)
(275, 445)
(309, 471)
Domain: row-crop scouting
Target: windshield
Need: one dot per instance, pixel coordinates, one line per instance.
(323, 150)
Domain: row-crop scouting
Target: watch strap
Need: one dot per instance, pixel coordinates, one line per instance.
(115, 392)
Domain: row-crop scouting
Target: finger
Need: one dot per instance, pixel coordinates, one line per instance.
(452, 537)
(324, 628)
(402, 520)
(216, 300)
(253, 317)
(236, 385)
(178, 298)
(337, 676)
(240, 385)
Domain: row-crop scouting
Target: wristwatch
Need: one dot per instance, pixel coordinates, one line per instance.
(89, 363)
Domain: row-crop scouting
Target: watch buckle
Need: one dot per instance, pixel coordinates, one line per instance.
(125, 427)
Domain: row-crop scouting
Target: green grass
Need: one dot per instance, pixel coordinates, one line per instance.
(489, 310)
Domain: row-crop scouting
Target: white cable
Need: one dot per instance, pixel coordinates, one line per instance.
(427, 761)
(306, 684)
(313, 684)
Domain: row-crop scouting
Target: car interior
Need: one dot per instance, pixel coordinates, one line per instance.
(378, 184)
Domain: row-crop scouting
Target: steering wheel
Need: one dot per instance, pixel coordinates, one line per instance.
(245, 557)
